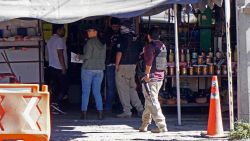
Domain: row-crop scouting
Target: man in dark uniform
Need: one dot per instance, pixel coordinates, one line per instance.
(125, 60)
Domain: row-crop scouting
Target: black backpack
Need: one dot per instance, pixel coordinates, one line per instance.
(140, 68)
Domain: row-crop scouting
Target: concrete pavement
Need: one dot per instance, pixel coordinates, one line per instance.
(70, 128)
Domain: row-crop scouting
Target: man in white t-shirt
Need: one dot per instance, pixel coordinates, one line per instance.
(57, 51)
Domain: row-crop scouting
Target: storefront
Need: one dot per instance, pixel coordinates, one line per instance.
(202, 48)
(202, 45)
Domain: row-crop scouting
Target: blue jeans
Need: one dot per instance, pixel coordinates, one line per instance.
(91, 78)
(111, 86)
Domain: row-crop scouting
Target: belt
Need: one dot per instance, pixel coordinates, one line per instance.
(111, 65)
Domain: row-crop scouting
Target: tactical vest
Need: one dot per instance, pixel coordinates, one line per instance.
(160, 57)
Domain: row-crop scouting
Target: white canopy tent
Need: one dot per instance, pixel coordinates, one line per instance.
(67, 11)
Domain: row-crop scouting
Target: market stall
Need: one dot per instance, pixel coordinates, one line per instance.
(70, 11)
(201, 56)
(21, 42)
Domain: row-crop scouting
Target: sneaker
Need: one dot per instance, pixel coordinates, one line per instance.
(124, 115)
(159, 130)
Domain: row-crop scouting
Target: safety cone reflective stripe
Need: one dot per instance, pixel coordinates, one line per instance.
(215, 126)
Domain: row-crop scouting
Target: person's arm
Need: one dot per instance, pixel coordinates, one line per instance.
(60, 53)
(105, 48)
(87, 51)
(61, 46)
(147, 72)
(123, 43)
(117, 60)
(148, 58)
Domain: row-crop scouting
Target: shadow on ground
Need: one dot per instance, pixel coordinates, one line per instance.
(70, 127)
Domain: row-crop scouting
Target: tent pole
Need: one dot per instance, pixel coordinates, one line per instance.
(177, 65)
(149, 22)
(229, 66)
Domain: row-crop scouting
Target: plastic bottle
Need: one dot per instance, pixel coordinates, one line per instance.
(235, 54)
(171, 56)
(182, 56)
(218, 54)
(188, 56)
(194, 54)
(203, 54)
(210, 53)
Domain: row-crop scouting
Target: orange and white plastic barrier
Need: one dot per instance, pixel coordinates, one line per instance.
(215, 126)
(24, 112)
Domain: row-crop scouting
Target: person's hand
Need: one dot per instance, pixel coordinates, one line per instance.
(146, 78)
(117, 67)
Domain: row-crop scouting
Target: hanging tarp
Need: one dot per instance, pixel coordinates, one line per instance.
(66, 11)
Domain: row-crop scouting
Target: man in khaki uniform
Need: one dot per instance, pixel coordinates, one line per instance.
(125, 60)
(154, 79)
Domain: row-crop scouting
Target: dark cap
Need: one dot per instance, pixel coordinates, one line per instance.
(92, 26)
(115, 21)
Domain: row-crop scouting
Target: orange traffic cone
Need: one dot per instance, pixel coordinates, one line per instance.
(215, 126)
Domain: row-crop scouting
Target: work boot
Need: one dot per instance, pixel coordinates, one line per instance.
(124, 115)
(100, 115)
(84, 115)
(159, 130)
(144, 127)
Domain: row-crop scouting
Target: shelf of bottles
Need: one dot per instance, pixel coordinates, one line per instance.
(194, 64)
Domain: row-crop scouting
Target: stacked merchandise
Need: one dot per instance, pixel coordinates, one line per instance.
(194, 65)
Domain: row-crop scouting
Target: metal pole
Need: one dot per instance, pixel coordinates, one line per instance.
(229, 66)
(39, 54)
(237, 39)
(177, 66)
(149, 22)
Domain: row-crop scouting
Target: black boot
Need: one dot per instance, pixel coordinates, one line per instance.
(83, 115)
(100, 115)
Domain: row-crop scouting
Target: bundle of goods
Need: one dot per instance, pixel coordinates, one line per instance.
(19, 34)
(201, 97)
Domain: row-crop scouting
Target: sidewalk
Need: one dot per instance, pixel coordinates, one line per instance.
(70, 128)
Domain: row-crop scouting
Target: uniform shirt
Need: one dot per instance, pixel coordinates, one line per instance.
(116, 44)
(149, 59)
(56, 43)
(131, 49)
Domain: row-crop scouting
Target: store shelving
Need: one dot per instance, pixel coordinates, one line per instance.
(24, 51)
(195, 76)
(27, 43)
